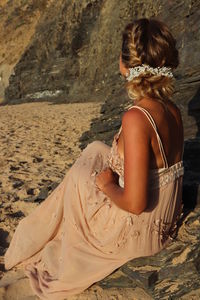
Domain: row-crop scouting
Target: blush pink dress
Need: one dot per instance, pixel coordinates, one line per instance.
(77, 235)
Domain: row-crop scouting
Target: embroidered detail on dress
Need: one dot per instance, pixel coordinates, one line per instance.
(115, 162)
(135, 233)
(159, 227)
(129, 220)
(174, 227)
(175, 172)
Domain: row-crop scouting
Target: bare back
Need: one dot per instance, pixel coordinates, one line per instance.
(170, 128)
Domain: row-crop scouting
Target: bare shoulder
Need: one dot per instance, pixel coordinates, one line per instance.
(135, 125)
(133, 118)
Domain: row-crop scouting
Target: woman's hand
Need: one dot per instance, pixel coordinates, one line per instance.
(105, 177)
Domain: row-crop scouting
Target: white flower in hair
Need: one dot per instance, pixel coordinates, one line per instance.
(136, 71)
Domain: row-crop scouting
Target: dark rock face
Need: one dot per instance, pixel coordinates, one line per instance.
(54, 59)
(18, 20)
(74, 57)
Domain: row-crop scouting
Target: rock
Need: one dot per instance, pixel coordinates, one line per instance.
(17, 214)
(14, 168)
(54, 185)
(15, 197)
(31, 199)
(2, 267)
(145, 278)
(38, 159)
(58, 142)
(43, 194)
(191, 191)
(117, 279)
(7, 206)
(30, 191)
(17, 184)
(3, 238)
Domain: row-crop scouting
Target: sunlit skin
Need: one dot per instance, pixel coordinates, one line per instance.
(138, 146)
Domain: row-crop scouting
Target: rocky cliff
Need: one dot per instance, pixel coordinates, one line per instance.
(69, 53)
(18, 20)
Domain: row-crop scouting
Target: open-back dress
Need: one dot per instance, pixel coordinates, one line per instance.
(77, 235)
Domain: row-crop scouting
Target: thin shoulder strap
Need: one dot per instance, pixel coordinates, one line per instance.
(151, 120)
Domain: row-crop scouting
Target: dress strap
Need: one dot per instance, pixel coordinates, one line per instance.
(120, 129)
(151, 120)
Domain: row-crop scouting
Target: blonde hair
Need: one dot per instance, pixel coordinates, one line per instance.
(149, 41)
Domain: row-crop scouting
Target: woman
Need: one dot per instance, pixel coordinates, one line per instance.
(115, 203)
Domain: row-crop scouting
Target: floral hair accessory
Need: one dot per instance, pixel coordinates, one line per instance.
(136, 71)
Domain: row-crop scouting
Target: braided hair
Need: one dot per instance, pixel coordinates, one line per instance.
(149, 41)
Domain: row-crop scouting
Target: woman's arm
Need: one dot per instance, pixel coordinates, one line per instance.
(136, 136)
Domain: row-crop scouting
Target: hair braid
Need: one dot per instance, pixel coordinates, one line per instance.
(149, 41)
